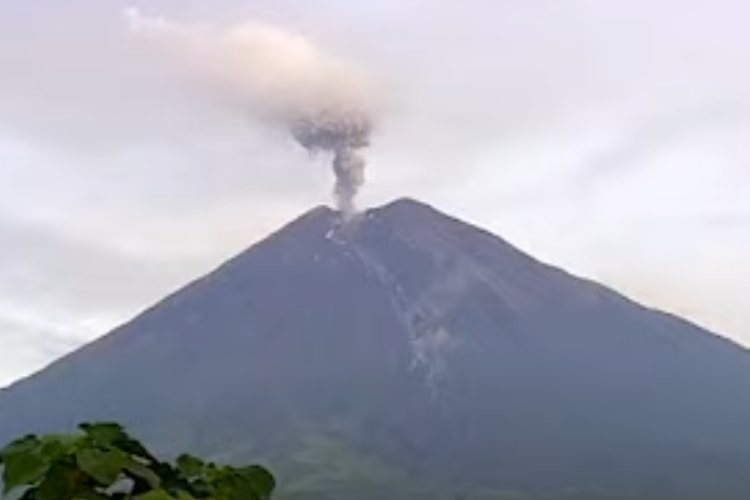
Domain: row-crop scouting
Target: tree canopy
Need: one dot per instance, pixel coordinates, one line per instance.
(103, 462)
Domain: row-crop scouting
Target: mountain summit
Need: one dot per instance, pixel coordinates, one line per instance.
(408, 354)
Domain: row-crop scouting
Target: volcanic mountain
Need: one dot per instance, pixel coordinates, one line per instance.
(406, 354)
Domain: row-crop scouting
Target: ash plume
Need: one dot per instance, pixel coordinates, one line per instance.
(281, 79)
(343, 134)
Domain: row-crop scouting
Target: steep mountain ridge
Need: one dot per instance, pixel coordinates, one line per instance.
(431, 350)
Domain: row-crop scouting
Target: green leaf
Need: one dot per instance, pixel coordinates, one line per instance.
(232, 487)
(167, 474)
(249, 483)
(26, 443)
(200, 488)
(262, 480)
(63, 482)
(105, 467)
(183, 495)
(55, 447)
(91, 494)
(23, 465)
(132, 447)
(141, 471)
(112, 435)
(156, 495)
(105, 434)
(190, 466)
(92, 466)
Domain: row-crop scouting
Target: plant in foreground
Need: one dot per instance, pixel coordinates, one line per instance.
(103, 462)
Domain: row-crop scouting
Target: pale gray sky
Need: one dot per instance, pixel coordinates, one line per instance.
(610, 138)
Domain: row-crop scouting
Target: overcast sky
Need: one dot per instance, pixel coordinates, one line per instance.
(609, 138)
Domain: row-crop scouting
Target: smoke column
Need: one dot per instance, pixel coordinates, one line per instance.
(344, 134)
(281, 79)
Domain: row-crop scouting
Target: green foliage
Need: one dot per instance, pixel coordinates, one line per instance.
(103, 462)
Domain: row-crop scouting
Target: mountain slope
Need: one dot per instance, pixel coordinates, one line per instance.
(409, 353)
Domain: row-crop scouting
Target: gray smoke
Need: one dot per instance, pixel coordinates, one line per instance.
(343, 134)
(281, 78)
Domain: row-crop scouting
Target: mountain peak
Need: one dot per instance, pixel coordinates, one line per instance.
(402, 211)
(406, 206)
(403, 218)
(408, 214)
(418, 340)
(419, 252)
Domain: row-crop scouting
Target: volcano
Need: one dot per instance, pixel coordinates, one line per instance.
(406, 354)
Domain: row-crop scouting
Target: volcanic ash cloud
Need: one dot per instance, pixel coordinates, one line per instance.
(279, 78)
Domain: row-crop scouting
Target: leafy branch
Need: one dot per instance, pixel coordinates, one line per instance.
(103, 462)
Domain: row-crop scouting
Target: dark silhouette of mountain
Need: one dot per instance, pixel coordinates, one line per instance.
(407, 354)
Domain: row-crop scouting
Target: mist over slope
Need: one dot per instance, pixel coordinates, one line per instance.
(407, 353)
